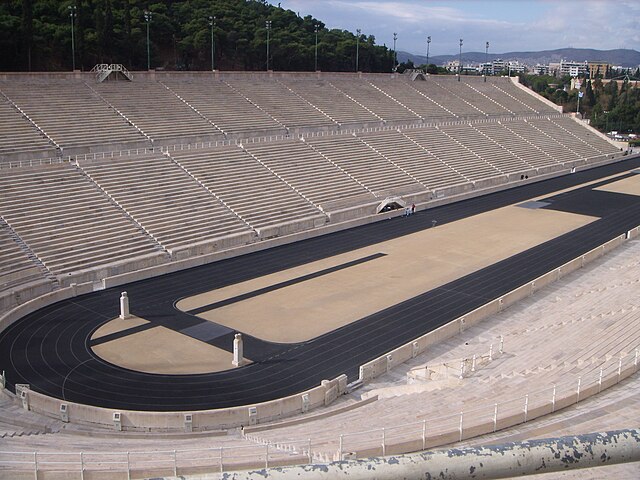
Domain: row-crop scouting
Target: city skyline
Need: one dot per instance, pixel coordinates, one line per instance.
(528, 25)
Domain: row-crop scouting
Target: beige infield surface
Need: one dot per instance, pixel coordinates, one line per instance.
(159, 350)
(407, 267)
(411, 265)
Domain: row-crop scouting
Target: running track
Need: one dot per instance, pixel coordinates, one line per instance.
(50, 349)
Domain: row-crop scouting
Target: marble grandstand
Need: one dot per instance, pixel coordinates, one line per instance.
(100, 180)
(254, 156)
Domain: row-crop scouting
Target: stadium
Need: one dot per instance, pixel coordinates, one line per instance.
(212, 272)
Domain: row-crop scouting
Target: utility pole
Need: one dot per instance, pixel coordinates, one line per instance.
(486, 61)
(72, 15)
(147, 18)
(212, 24)
(460, 61)
(315, 29)
(395, 54)
(268, 25)
(428, 45)
(358, 32)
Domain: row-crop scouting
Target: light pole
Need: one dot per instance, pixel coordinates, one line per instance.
(147, 18)
(72, 15)
(212, 24)
(460, 61)
(315, 29)
(428, 45)
(395, 54)
(268, 25)
(486, 61)
(358, 32)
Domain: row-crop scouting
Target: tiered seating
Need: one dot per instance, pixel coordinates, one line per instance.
(594, 141)
(19, 136)
(494, 154)
(156, 111)
(251, 191)
(517, 145)
(226, 108)
(426, 168)
(465, 89)
(169, 204)
(511, 104)
(557, 151)
(433, 88)
(67, 221)
(374, 171)
(452, 153)
(342, 109)
(281, 103)
(71, 114)
(314, 176)
(16, 268)
(576, 145)
(427, 108)
(506, 87)
(375, 100)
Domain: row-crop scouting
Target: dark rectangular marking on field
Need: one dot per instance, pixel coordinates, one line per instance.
(277, 286)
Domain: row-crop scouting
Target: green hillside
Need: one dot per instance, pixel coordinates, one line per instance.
(35, 35)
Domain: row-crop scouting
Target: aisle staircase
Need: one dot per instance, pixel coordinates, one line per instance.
(103, 70)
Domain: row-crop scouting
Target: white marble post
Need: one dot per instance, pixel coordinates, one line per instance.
(124, 306)
(238, 353)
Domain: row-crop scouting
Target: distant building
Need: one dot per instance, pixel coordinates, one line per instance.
(452, 66)
(573, 69)
(516, 67)
(599, 69)
(541, 69)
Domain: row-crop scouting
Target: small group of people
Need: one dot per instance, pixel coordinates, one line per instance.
(410, 210)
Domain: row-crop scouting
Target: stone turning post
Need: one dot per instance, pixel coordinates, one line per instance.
(238, 353)
(124, 306)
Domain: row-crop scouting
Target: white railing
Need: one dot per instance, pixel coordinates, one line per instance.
(143, 464)
(33, 162)
(487, 418)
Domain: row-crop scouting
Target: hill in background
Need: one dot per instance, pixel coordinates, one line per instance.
(619, 57)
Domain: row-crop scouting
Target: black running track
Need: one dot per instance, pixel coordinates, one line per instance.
(51, 349)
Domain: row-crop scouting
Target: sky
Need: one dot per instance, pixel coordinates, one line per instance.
(508, 25)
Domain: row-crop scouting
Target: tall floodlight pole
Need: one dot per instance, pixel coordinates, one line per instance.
(72, 15)
(428, 45)
(395, 54)
(358, 32)
(212, 24)
(315, 29)
(486, 61)
(268, 25)
(460, 61)
(147, 18)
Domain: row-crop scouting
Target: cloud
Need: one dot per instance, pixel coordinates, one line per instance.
(509, 25)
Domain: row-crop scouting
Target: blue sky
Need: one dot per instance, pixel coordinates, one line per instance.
(508, 25)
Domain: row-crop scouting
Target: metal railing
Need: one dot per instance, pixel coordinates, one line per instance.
(414, 436)
(143, 464)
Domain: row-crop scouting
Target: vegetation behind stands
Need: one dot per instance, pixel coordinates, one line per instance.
(35, 35)
(608, 105)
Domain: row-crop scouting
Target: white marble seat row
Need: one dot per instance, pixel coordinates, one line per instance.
(66, 221)
(71, 114)
(165, 200)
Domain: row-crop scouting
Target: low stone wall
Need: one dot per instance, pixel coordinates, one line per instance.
(113, 269)
(12, 298)
(42, 301)
(129, 420)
